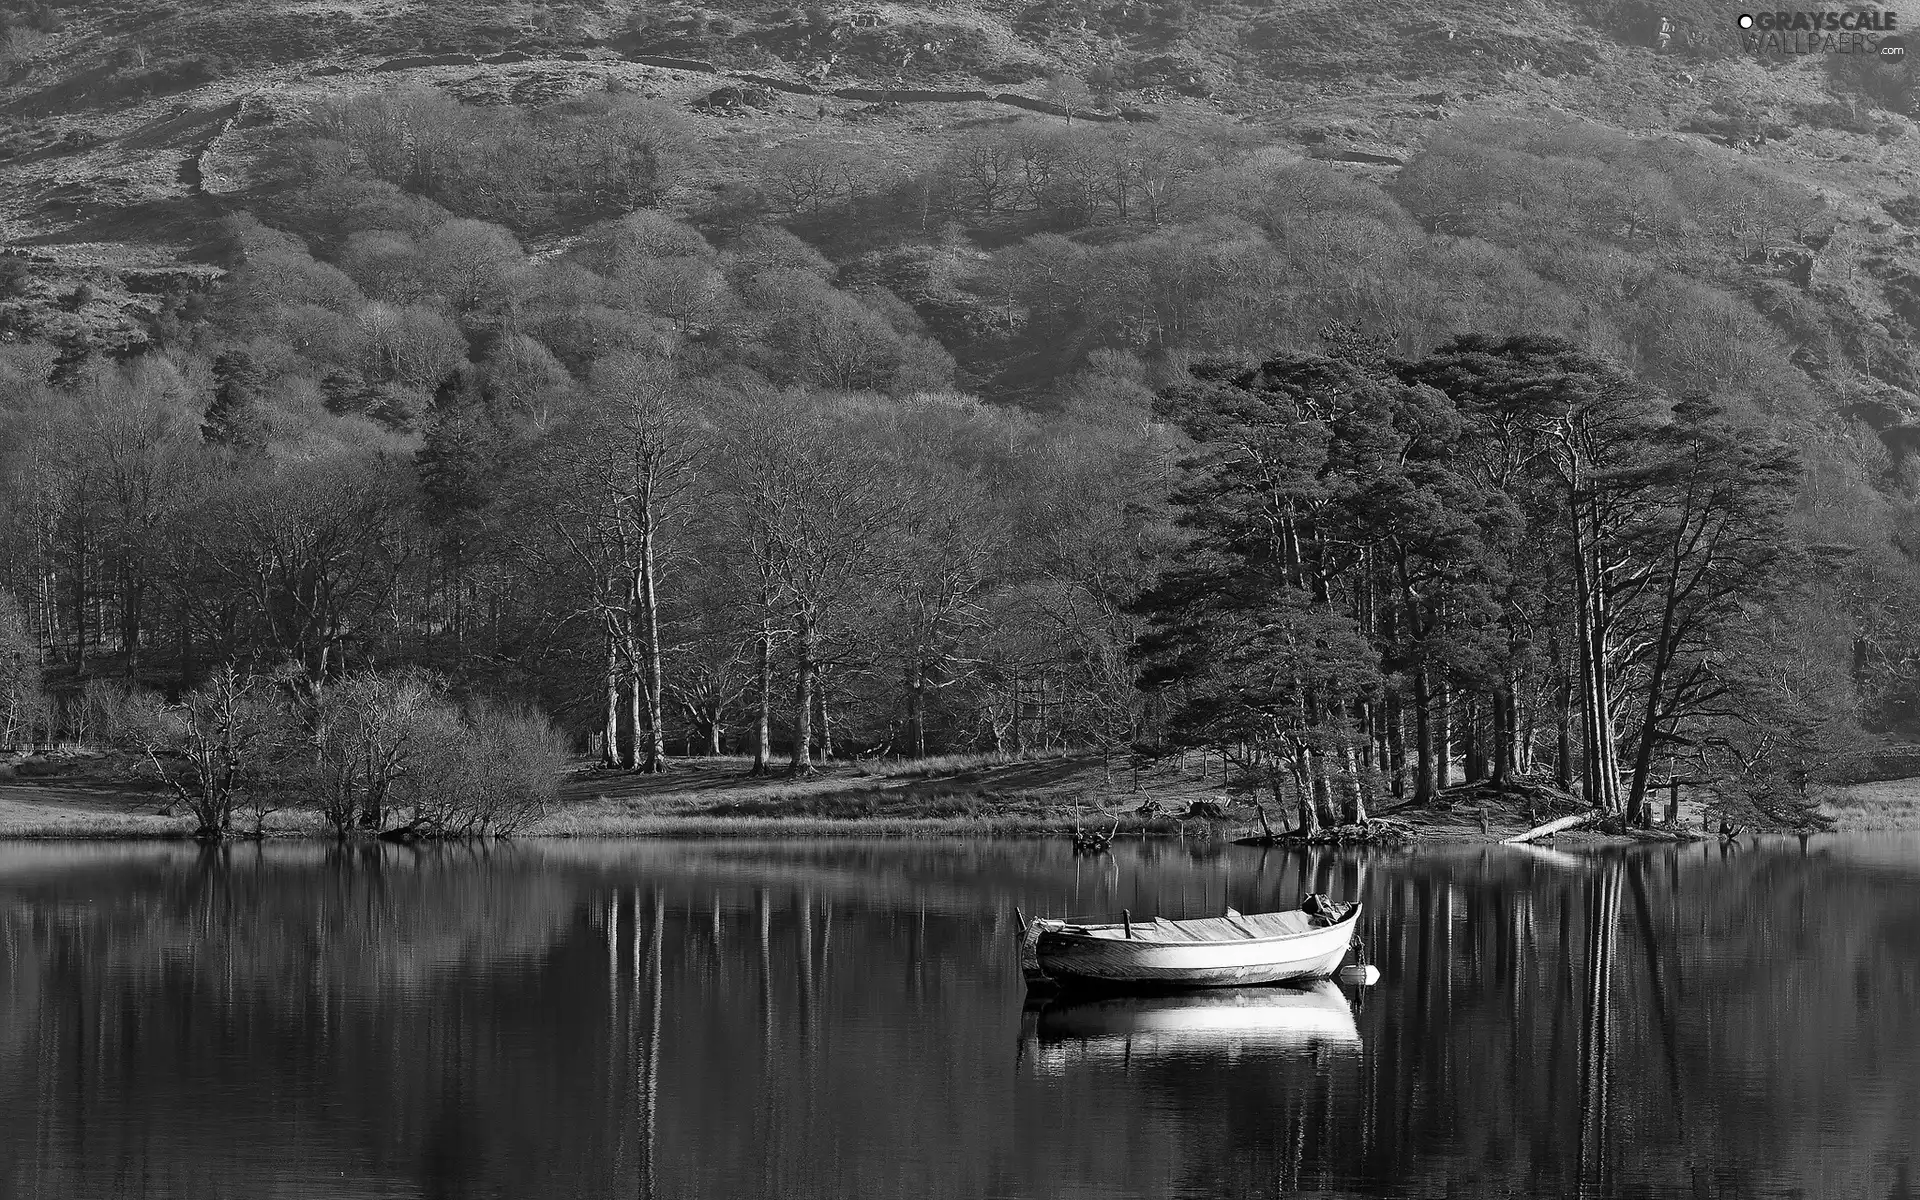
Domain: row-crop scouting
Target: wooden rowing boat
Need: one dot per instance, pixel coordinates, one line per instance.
(1231, 951)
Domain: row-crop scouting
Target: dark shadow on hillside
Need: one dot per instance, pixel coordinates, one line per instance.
(192, 222)
(1052, 772)
(186, 127)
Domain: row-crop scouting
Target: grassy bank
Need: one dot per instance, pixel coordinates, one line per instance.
(43, 811)
(978, 796)
(975, 795)
(1891, 805)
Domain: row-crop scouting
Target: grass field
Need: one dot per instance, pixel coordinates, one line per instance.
(43, 811)
(1889, 806)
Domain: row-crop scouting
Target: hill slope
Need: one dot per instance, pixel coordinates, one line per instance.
(130, 129)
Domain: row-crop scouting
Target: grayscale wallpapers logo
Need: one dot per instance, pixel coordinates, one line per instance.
(1870, 33)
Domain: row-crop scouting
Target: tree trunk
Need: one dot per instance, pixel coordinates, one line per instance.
(1473, 739)
(1019, 737)
(802, 763)
(636, 716)
(654, 678)
(1322, 789)
(917, 711)
(1309, 813)
(1601, 773)
(1557, 825)
(1526, 728)
(186, 645)
(1356, 813)
(1563, 724)
(826, 720)
(630, 752)
(1424, 772)
(763, 715)
(1505, 730)
(132, 599)
(80, 594)
(1443, 738)
(1638, 808)
(1396, 748)
(610, 751)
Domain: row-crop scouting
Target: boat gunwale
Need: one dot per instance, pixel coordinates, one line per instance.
(1141, 941)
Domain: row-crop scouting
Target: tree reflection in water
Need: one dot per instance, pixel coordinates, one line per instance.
(845, 1019)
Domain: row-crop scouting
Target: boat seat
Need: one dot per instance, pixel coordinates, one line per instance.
(1239, 927)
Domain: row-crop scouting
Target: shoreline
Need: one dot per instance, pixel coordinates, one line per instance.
(55, 822)
(100, 814)
(981, 797)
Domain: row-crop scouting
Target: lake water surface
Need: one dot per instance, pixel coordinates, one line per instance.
(746, 1019)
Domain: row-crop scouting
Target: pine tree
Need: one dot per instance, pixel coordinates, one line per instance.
(1251, 638)
(1714, 540)
(1562, 432)
(458, 456)
(76, 352)
(344, 393)
(458, 451)
(234, 418)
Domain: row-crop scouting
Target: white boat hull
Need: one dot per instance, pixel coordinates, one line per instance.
(1071, 957)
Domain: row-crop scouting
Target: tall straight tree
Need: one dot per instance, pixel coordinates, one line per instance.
(1426, 581)
(233, 417)
(1715, 543)
(1577, 429)
(603, 496)
(653, 441)
(139, 433)
(824, 497)
(952, 537)
(1247, 634)
(460, 452)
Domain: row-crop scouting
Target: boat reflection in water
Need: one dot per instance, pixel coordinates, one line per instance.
(1220, 1023)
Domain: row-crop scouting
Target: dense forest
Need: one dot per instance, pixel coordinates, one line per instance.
(1549, 458)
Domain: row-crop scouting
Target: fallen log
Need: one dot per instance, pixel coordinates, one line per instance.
(1559, 825)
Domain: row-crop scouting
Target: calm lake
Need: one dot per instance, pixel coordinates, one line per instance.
(747, 1019)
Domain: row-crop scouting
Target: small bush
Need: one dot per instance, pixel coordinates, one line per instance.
(397, 757)
(1848, 118)
(492, 775)
(229, 748)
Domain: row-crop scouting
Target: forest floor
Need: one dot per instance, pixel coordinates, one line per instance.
(970, 795)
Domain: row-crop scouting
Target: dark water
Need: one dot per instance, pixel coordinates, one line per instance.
(829, 1020)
